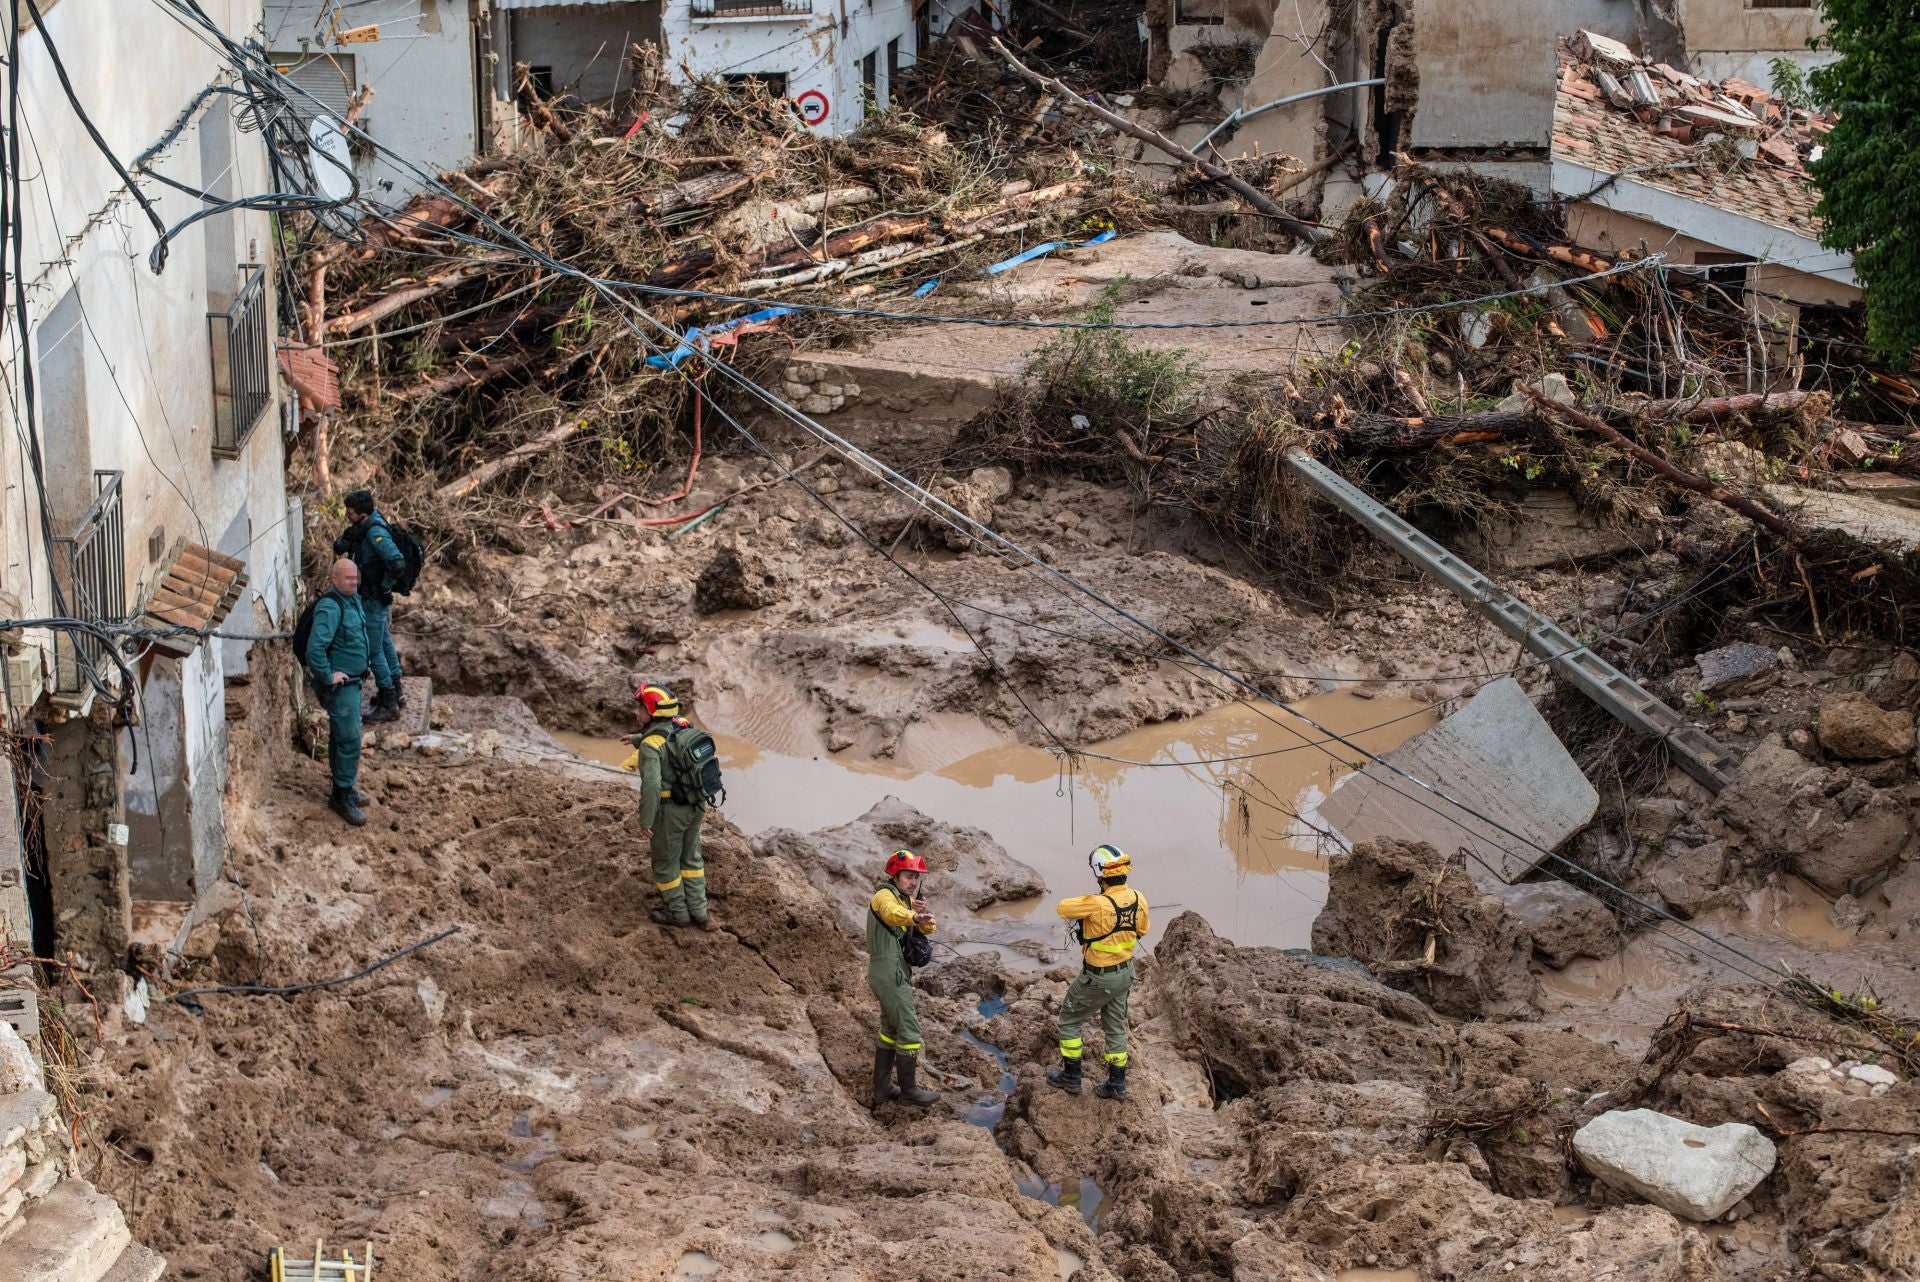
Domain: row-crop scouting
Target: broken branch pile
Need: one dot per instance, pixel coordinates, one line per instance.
(463, 358)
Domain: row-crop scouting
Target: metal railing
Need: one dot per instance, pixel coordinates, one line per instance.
(90, 566)
(752, 8)
(242, 350)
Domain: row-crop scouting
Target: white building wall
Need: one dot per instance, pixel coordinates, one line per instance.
(421, 69)
(139, 397)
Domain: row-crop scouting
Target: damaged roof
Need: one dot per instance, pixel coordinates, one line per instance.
(1617, 112)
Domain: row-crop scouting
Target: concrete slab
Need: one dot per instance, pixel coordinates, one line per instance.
(137, 1264)
(1871, 520)
(413, 715)
(1549, 529)
(73, 1234)
(948, 373)
(1497, 756)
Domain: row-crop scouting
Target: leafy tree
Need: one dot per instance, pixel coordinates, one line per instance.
(1869, 173)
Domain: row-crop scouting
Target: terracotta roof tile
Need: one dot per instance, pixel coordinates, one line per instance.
(1770, 187)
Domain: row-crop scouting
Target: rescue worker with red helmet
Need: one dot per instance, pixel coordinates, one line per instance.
(671, 828)
(895, 913)
(1108, 926)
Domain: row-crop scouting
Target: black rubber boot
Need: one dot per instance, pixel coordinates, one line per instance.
(904, 1068)
(361, 799)
(342, 804)
(1067, 1077)
(660, 917)
(386, 706)
(399, 692)
(884, 1087)
(1115, 1087)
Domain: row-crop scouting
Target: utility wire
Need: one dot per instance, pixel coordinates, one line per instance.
(187, 997)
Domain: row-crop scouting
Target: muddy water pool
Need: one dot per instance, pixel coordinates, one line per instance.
(1217, 810)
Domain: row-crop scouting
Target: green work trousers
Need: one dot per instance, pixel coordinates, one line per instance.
(343, 734)
(899, 1021)
(678, 873)
(1102, 993)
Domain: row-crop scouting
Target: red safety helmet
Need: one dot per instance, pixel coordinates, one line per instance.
(657, 700)
(904, 861)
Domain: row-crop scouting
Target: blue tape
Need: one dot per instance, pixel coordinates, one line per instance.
(672, 359)
(927, 288)
(1040, 251)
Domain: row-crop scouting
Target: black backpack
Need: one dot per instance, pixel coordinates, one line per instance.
(414, 552)
(693, 767)
(303, 633)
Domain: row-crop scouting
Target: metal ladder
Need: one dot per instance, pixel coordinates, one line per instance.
(1622, 696)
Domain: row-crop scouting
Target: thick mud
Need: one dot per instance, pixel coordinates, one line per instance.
(562, 1092)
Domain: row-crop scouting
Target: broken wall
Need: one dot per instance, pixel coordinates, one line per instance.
(1488, 67)
(83, 814)
(1740, 38)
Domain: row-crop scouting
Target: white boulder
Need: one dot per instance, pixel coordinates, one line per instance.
(1698, 1172)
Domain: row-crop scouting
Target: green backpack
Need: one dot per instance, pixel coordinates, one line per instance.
(692, 763)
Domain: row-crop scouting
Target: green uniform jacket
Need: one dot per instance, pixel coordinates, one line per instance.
(655, 792)
(380, 559)
(339, 639)
(890, 918)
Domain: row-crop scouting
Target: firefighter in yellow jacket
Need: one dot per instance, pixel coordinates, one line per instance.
(1107, 925)
(671, 828)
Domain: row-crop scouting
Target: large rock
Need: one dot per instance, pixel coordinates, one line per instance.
(1389, 902)
(1740, 668)
(1699, 1172)
(1564, 921)
(740, 577)
(1837, 831)
(1636, 1243)
(1855, 727)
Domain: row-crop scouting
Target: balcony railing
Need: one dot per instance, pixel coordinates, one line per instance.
(752, 8)
(242, 364)
(91, 567)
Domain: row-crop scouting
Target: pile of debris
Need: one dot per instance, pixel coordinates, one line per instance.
(458, 350)
(1687, 109)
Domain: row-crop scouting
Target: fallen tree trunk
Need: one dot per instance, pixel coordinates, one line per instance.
(1660, 463)
(512, 458)
(1383, 433)
(382, 308)
(1160, 142)
(690, 193)
(854, 239)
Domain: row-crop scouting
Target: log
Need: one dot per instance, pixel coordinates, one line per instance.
(471, 376)
(382, 308)
(1568, 255)
(1160, 142)
(1379, 432)
(512, 458)
(693, 192)
(841, 244)
(675, 272)
(1660, 463)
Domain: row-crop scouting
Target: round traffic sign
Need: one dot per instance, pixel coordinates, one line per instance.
(813, 107)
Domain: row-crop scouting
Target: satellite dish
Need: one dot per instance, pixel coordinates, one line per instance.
(332, 161)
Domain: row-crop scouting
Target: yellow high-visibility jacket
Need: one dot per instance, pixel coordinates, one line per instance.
(1101, 943)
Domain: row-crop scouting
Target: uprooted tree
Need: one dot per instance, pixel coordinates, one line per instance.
(1869, 175)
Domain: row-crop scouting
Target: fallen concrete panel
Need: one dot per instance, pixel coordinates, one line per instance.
(1496, 756)
(1872, 521)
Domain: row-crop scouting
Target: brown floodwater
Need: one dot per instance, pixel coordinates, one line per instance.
(1217, 810)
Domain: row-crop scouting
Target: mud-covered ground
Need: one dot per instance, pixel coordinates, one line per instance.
(562, 1091)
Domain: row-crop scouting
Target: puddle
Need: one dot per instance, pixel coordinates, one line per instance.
(1083, 1196)
(1798, 911)
(697, 1264)
(775, 1240)
(1377, 1275)
(1574, 1216)
(990, 1107)
(991, 1006)
(1221, 839)
(544, 1145)
(1068, 1262)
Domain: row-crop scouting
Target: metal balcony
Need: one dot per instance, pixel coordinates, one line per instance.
(242, 350)
(90, 566)
(713, 10)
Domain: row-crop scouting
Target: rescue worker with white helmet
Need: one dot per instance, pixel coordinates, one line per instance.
(897, 918)
(1108, 925)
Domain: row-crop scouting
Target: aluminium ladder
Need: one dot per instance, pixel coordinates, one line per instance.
(1626, 699)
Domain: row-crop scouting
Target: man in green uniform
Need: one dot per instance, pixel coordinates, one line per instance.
(672, 827)
(1107, 925)
(338, 652)
(893, 912)
(368, 539)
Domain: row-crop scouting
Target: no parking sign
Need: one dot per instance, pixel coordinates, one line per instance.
(813, 107)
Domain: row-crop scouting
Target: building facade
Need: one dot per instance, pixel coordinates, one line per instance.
(143, 467)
